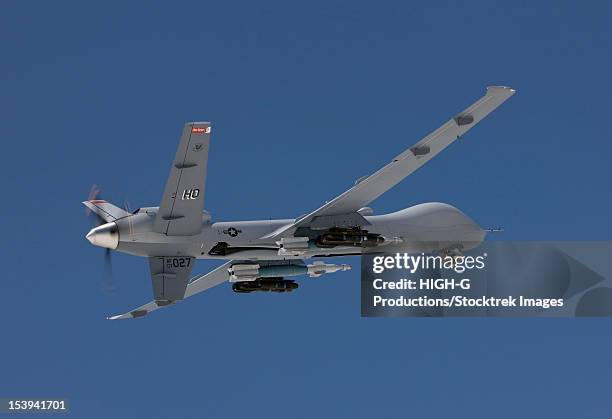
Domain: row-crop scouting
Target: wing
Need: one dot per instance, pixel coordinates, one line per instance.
(342, 210)
(196, 284)
(180, 210)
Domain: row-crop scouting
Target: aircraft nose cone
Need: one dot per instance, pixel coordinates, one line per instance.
(106, 236)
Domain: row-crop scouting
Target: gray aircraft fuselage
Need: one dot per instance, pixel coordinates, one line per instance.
(421, 228)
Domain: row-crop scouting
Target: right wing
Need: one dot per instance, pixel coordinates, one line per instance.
(180, 210)
(342, 210)
(197, 284)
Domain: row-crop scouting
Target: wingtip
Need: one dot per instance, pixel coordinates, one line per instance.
(501, 90)
(134, 314)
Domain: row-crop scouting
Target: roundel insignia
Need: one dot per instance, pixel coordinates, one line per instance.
(232, 231)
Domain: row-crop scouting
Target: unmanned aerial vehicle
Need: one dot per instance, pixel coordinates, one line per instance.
(265, 255)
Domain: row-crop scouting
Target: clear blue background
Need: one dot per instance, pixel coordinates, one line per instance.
(305, 98)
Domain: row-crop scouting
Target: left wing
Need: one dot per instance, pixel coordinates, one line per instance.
(196, 284)
(342, 210)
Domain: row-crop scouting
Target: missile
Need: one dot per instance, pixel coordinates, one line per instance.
(319, 268)
(253, 271)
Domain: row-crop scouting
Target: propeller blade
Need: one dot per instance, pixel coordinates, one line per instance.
(94, 193)
(108, 283)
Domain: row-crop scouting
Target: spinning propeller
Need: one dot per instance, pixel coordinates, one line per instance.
(108, 285)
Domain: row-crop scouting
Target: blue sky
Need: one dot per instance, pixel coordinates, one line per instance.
(305, 98)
